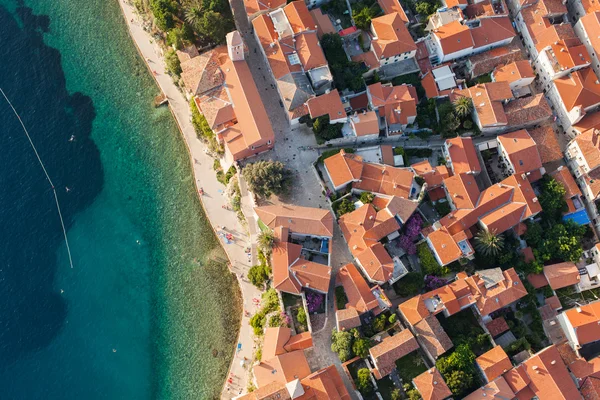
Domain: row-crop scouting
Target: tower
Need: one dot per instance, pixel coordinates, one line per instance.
(235, 46)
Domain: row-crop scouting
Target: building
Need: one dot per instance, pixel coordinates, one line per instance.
(581, 326)
(578, 94)
(580, 8)
(257, 7)
(484, 63)
(583, 155)
(391, 42)
(461, 156)
(396, 106)
(562, 57)
(518, 74)
(392, 348)
(572, 193)
(431, 385)
(393, 6)
(495, 389)
(439, 82)
(493, 363)
(519, 151)
(365, 124)
(587, 29)
(329, 104)
(296, 230)
(433, 177)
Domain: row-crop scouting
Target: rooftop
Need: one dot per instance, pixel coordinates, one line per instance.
(431, 385)
(393, 37)
(392, 348)
(494, 363)
(579, 89)
(521, 150)
(514, 71)
(303, 220)
(586, 322)
(327, 104)
(463, 155)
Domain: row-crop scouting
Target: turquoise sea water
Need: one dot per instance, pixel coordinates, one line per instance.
(149, 310)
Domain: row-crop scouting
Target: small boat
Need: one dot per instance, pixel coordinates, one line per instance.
(160, 100)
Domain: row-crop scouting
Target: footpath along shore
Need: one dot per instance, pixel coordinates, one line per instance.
(213, 200)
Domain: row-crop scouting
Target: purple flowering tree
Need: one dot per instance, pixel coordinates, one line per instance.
(433, 282)
(314, 301)
(407, 244)
(412, 228)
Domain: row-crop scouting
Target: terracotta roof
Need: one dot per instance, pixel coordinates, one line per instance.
(485, 62)
(299, 17)
(366, 123)
(344, 168)
(589, 145)
(328, 103)
(309, 50)
(324, 24)
(434, 177)
(396, 103)
(203, 73)
(514, 71)
(579, 89)
(537, 280)
(357, 290)
(303, 220)
(554, 302)
(586, 323)
(494, 363)
(564, 176)
(487, 101)
(369, 58)
(324, 384)
(187, 53)
(497, 326)
(517, 379)
(396, 206)
(444, 246)
(498, 389)
(521, 150)
(550, 378)
(547, 143)
(562, 274)
(284, 255)
(432, 336)
(347, 319)
(377, 263)
(505, 292)
(393, 37)
(393, 6)
(550, 35)
(463, 155)
(282, 368)
(462, 190)
(454, 37)
(392, 348)
(414, 309)
(274, 342)
(486, 8)
(254, 6)
(274, 390)
(311, 274)
(216, 108)
(590, 389)
(385, 180)
(580, 368)
(570, 53)
(431, 385)
(527, 110)
(492, 30)
(591, 23)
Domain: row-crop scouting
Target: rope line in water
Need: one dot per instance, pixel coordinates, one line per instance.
(62, 223)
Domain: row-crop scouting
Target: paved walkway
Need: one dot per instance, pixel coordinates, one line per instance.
(214, 198)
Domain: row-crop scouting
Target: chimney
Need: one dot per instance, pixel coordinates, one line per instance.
(578, 309)
(535, 367)
(553, 362)
(342, 152)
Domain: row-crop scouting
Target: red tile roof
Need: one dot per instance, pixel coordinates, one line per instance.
(579, 89)
(254, 6)
(396, 103)
(327, 104)
(492, 30)
(494, 363)
(521, 150)
(498, 389)
(431, 385)
(432, 336)
(547, 143)
(586, 322)
(324, 384)
(497, 326)
(357, 290)
(454, 37)
(392, 348)
(393, 6)
(562, 275)
(393, 37)
(463, 155)
(344, 168)
(303, 220)
(549, 376)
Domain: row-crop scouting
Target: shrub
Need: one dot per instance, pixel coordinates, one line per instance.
(267, 177)
(340, 297)
(314, 301)
(433, 282)
(163, 11)
(378, 323)
(346, 74)
(301, 316)
(428, 261)
(173, 64)
(393, 318)
(341, 343)
(367, 197)
(259, 274)
(410, 285)
(361, 347)
(442, 208)
(345, 206)
(363, 380)
(399, 151)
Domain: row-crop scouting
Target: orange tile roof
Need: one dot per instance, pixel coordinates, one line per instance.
(517, 379)
(282, 368)
(463, 155)
(580, 368)
(393, 6)
(579, 89)
(462, 190)
(414, 309)
(347, 319)
(492, 30)
(357, 290)
(396, 206)
(324, 384)
(366, 123)
(454, 37)
(392, 348)
(537, 280)
(497, 326)
(487, 101)
(274, 342)
(377, 263)
(203, 73)
(565, 178)
(393, 37)
(216, 108)
(432, 336)
(299, 17)
(486, 8)
(445, 246)
(324, 24)
(550, 34)
(570, 53)
(434, 177)
(498, 388)
(299, 341)
(328, 103)
(550, 379)
(309, 50)
(285, 254)
(590, 389)
(254, 6)
(514, 71)
(591, 24)
(586, 323)
(396, 103)
(344, 168)
(505, 292)
(562, 274)
(528, 111)
(369, 58)
(274, 390)
(589, 145)
(494, 363)
(385, 180)
(303, 220)
(431, 385)
(311, 274)
(554, 302)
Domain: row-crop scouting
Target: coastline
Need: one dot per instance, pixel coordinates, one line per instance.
(213, 200)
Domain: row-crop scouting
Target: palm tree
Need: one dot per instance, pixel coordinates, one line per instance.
(463, 106)
(193, 13)
(489, 243)
(265, 241)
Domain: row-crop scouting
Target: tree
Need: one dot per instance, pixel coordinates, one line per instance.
(193, 13)
(363, 380)
(345, 206)
(173, 63)
(552, 198)
(259, 274)
(379, 323)
(392, 319)
(428, 261)
(459, 381)
(213, 26)
(367, 197)
(463, 106)
(175, 37)
(422, 8)
(265, 178)
(362, 17)
(451, 124)
(265, 241)
(361, 347)
(301, 316)
(163, 11)
(489, 243)
(341, 343)
(462, 358)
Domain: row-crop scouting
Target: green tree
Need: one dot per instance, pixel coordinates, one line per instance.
(362, 17)
(301, 316)
(489, 243)
(552, 198)
(163, 11)
(459, 381)
(396, 394)
(175, 37)
(463, 106)
(341, 343)
(462, 358)
(422, 8)
(429, 264)
(363, 380)
(361, 347)
(451, 124)
(265, 241)
(265, 178)
(173, 64)
(345, 206)
(393, 318)
(367, 197)
(379, 323)
(213, 26)
(193, 13)
(259, 274)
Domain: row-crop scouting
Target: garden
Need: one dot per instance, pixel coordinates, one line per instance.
(346, 74)
(338, 10)
(410, 366)
(294, 305)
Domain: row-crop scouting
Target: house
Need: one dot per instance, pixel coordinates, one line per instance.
(581, 326)
(488, 108)
(562, 57)
(578, 94)
(392, 348)
(329, 104)
(461, 156)
(486, 8)
(343, 169)
(580, 8)
(493, 363)
(228, 97)
(519, 151)
(444, 16)
(518, 74)
(301, 233)
(572, 193)
(323, 22)
(439, 81)
(433, 177)
(257, 7)
(484, 63)
(431, 336)
(587, 29)
(583, 155)
(431, 385)
(393, 6)
(391, 42)
(396, 106)
(365, 125)
(495, 389)
(282, 368)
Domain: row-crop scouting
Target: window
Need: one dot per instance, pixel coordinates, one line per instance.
(294, 59)
(521, 162)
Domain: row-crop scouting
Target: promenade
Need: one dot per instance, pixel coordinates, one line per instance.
(214, 198)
